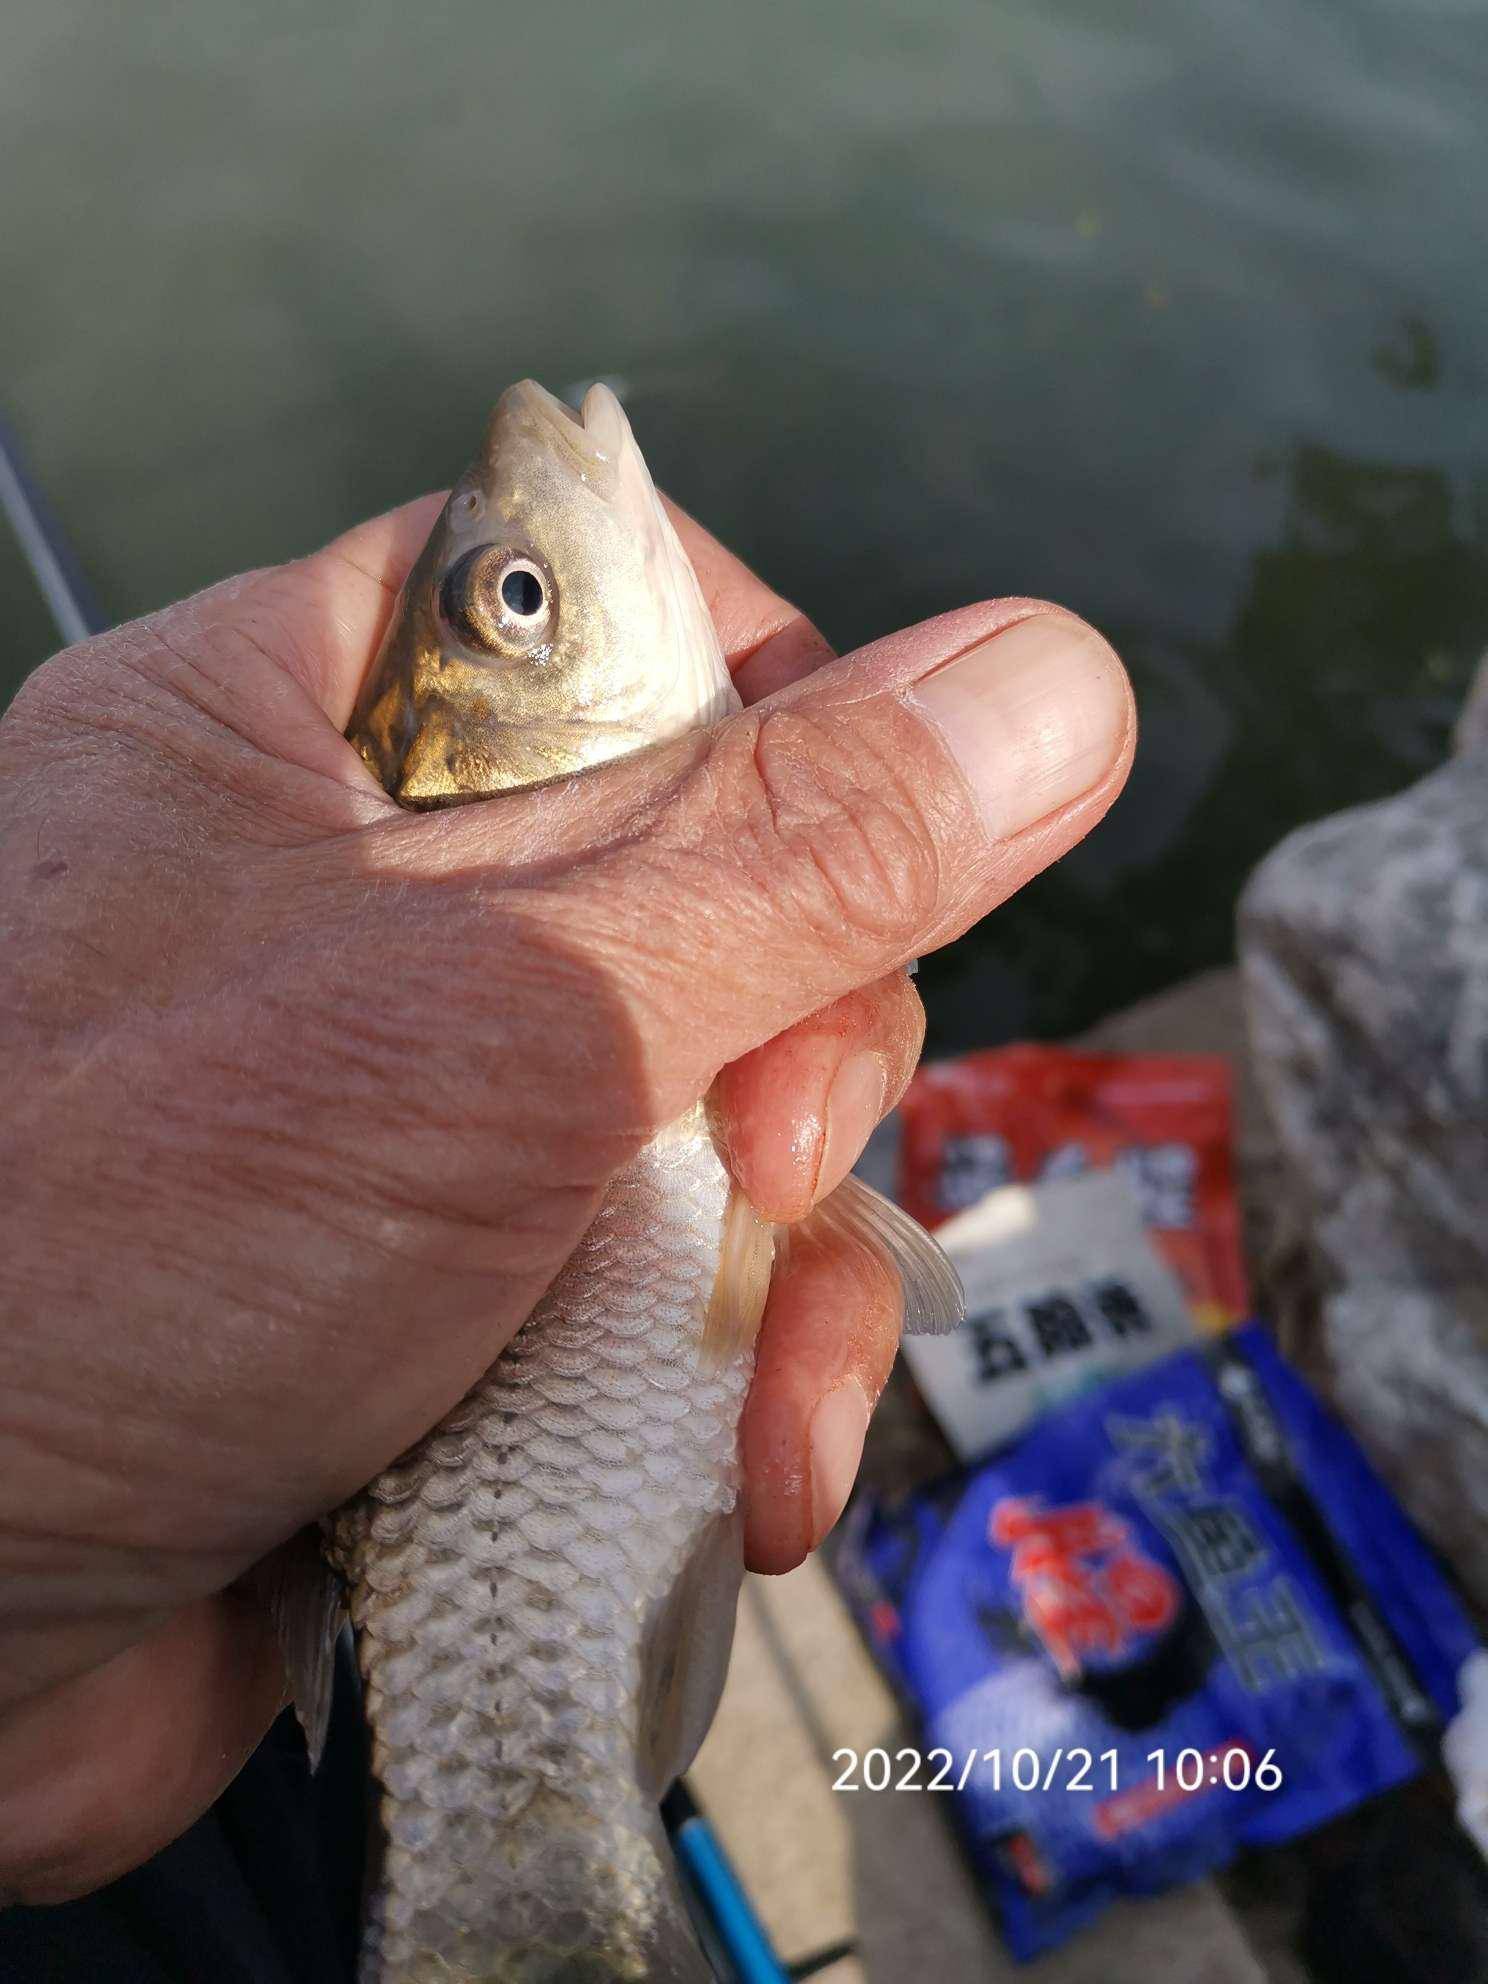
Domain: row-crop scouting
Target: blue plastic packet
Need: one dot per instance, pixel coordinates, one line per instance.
(1179, 1616)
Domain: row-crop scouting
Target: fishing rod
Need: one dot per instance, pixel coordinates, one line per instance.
(731, 1933)
(44, 545)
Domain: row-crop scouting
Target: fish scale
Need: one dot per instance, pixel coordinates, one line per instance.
(505, 1580)
(543, 1590)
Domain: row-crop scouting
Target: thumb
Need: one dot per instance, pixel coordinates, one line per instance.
(736, 880)
(862, 817)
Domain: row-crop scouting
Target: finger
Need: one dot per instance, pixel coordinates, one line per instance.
(826, 1347)
(102, 1771)
(350, 587)
(729, 884)
(766, 641)
(320, 619)
(795, 1113)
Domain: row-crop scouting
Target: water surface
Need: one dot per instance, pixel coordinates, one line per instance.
(1172, 312)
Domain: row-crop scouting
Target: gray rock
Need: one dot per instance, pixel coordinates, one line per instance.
(1471, 733)
(1364, 951)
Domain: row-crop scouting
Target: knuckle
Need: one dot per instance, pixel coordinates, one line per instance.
(832, 819)
(903, 1034)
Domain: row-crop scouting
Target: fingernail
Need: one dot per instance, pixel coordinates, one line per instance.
(838, 1428)
(854, 1104)
(1034, 716)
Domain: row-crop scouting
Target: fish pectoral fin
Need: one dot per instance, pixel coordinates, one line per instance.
(686, 1654)
(305, 1602)
(746, 1253)
(934, 1300)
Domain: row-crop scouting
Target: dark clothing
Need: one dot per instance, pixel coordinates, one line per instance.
(264, 1889)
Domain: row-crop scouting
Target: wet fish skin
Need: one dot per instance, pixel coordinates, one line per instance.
(543, 1590)
(543, 1596)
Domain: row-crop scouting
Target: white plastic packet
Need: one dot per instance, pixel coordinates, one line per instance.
(1064, 1289)
(1465, 1750)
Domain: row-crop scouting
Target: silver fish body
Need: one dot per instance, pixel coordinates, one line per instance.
(543, 1596)
(543, 1590)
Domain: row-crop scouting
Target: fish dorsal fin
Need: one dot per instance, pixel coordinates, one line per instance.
(934, 1300)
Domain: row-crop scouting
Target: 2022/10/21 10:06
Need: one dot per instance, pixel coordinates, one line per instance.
(1232, 1767)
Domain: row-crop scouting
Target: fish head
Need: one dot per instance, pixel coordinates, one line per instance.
(552, 621)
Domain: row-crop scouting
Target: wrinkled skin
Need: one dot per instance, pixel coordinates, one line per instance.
(308, 1099)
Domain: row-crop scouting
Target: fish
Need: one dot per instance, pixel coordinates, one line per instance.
(542, 1591)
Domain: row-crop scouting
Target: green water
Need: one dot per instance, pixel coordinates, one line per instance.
(1173, 312)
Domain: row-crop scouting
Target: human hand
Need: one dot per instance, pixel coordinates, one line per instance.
(310, 1098)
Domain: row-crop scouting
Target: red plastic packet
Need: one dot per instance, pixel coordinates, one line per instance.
(1014, 1115)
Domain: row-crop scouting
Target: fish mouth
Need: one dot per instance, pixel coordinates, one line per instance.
(593, 435)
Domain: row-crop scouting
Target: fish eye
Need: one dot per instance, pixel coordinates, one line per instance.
(522, 591)
(498, 600)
